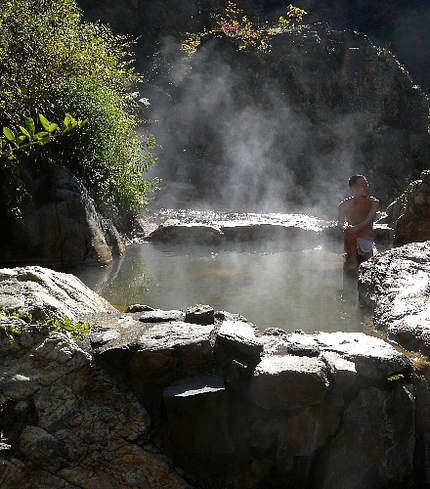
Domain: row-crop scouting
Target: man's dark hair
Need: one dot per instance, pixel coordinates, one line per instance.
(353, 180)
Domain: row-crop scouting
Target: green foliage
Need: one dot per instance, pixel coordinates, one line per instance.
(24, 137)
(11, 331)
(27, 136)
(25, 316)
(233, 23)
(109, 155)
(52, 63)
(43, 44)
(396, 378)
(75, 329)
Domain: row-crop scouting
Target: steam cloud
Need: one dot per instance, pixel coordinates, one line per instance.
(240, 137)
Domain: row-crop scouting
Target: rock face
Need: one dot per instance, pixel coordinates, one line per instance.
(66, 423)
(328, 102)
(231, 407)
(410, 213)
(395, 286)
(59, 226)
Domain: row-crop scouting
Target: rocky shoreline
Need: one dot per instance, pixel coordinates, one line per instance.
(200, 398)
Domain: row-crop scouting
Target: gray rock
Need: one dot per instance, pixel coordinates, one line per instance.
(410, 213)
(101, 336)
(138, 308)
(289, 382)
(44, 293)
(374, 358)
(155, 352)
(198, 415)
(160, 316)
(375, 444)
(180, 232)
(244, 232)
(60, 225)
(394, 288)
(202, 314)
(237, 339)
(73, 425)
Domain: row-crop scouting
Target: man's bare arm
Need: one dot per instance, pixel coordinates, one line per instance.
(341, 215)
(370, 216)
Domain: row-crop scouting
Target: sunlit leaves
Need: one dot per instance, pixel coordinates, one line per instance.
(9, 135)
(233, 23)
(26, 134)
(51, 63)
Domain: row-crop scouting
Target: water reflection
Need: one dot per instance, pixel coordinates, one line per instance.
(286, 289)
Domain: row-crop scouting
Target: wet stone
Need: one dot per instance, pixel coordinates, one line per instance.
(139, 308)
(202, 314)
(237, 338)
(159, 316)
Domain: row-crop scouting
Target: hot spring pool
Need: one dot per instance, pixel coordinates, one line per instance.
(284, 289)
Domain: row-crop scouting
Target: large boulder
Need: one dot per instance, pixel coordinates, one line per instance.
(66, 423)
(44, 294)
(410, 213)
(59, 225)
(394, 288)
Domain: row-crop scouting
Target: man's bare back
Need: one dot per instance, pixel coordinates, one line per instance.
(355, 218)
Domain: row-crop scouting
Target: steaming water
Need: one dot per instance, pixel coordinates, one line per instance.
(285, 289)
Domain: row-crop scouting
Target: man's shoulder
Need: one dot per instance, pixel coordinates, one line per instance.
(345, 202)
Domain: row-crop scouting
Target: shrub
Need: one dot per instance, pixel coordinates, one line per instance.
(232, 22)
(52, 63)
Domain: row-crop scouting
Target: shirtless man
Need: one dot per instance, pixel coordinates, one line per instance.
(355, 219)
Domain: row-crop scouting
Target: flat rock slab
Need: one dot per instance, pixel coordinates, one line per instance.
(160, 349)
(372, 357)
(196, 233)
(269, 231)
(216, 228)
(159, 316)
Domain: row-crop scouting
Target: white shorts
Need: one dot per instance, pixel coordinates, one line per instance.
(364, 246)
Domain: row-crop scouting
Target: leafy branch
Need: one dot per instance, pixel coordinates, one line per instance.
(76, 329)
(26, 135)
(233, 23)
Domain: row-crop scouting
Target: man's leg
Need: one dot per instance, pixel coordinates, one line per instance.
(350, 247)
